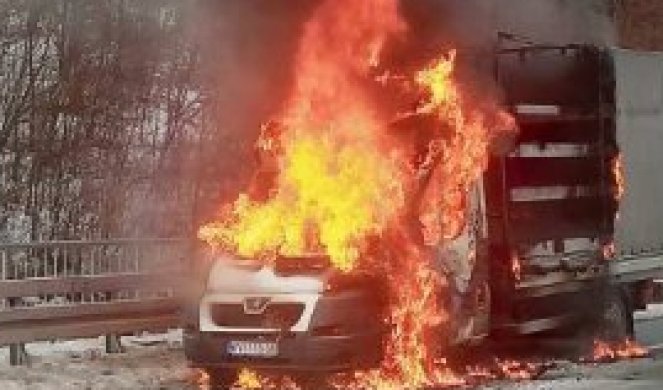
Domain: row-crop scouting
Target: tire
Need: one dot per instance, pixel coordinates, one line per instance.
(615, 322)
(611, 323)
(221, 378)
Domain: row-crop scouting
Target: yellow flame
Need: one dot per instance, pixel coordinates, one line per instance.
(339, 184)
(437, 79)
(331, 194)
(248, 380)
(335, 186)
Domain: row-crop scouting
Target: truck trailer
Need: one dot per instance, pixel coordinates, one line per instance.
(566, 228)
(573, 226)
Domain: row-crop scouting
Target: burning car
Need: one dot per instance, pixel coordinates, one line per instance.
(296, 316)
(397, 212)
(377, 171)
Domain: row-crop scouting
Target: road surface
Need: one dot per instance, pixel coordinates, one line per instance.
(649, 331)
(156, 362)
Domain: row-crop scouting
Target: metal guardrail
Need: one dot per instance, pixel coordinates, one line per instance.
(647, 265)
(75, 289)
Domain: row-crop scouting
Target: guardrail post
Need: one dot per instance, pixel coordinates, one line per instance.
(3, 270)
(114, 344)
(18, 356)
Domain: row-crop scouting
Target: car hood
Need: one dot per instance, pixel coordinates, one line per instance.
(230, 276)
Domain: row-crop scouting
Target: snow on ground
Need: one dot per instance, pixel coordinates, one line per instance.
(150, 362)
(157, 362)
(640, 374)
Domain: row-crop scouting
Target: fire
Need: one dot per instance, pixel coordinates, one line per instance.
(516, 267)
(627, 349)
(516, 370)
(461, 144)
(335, 186)
(609, 251)
(619, 188)
(619, 177)
(500, 368)
(415, 311)
(249, 380)
(337, 193)
(252, 380)
(342, 179)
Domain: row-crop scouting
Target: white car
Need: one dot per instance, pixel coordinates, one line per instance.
(295, 316)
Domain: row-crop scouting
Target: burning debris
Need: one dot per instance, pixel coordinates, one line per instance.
(606, 352)
(250, 380)
(515, 370)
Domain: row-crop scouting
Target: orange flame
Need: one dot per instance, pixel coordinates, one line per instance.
(516, 267)
(335, 183)
(342, 179)
(609, 251)
(619, 177)
(619, 188)
(627, 349)
(517, 370)
(249, 380)
(463, 153)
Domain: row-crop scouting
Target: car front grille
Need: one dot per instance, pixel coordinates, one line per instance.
(275, 316)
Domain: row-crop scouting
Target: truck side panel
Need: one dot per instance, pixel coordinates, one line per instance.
(556, 204)
(639, 101)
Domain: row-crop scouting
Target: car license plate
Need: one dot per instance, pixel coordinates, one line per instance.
(252, 349)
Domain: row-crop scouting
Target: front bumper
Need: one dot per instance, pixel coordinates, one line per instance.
(340, 332)
(298, 351)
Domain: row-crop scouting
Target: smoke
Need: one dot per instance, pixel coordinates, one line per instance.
(248, 48)
(559, 21)
(476, 22)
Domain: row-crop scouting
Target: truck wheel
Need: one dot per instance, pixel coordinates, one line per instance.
(616, 318)
(221, 378)
(611, 322)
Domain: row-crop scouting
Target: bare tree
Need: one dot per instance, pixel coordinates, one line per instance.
(100, 111)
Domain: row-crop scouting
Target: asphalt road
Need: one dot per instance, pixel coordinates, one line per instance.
(156, 362)
(638, 374)
(649, 332)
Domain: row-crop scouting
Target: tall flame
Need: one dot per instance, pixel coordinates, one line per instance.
(609, 248)
(619, 176)
(335, 186)
(462, 145)
(343, 178)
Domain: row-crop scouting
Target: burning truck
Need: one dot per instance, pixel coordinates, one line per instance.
(404, 208)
